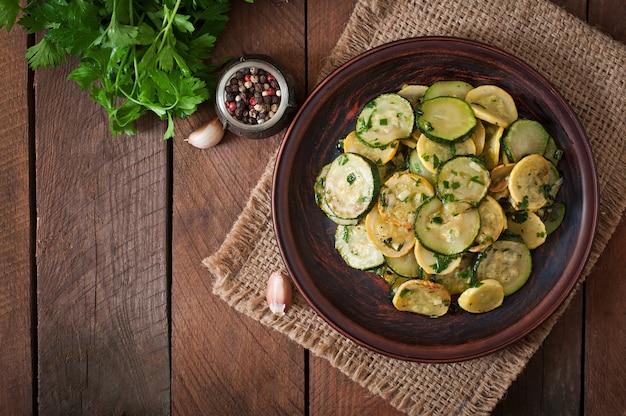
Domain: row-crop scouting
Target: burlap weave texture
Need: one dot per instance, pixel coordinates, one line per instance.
(586, 66)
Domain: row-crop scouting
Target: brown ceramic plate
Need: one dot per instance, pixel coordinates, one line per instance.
(356, 303)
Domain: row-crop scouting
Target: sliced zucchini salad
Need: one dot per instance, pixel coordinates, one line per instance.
(443, 191)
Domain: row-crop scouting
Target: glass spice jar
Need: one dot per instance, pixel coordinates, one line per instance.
(255, 98)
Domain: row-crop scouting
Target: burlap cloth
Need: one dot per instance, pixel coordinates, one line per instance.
(586, 66)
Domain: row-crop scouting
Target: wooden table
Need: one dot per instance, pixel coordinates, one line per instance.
(105, 307)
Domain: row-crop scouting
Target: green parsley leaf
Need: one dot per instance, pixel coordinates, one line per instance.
(135, 56)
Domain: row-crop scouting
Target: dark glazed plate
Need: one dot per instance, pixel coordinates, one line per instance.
(357, 303)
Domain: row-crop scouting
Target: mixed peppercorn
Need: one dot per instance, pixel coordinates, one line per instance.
(252, 96)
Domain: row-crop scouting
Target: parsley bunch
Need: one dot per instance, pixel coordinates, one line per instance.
(135, 56)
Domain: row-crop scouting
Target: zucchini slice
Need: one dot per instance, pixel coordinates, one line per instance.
(446, 229)
(529, 226)
(355, 247)
(405, 266)
(553, 153)
(552, 216)
(351, 186)
(433, 154)
(422, 297)
(380, 156)
(385, 119)
(492, 104)
(463, 179)
(554, 184)
(484, 296)
(417, 166)
(524, 137)
(320, 199)
(529, 180)
(506, 261)
(390, 239)
(446, 119)
(452, 88)
(401, 195)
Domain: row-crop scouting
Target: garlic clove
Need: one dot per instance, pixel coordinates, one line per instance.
(278, 293)
(207, 135)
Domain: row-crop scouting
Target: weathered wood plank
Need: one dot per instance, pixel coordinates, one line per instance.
(605, 331)
(15, 276)
(102, 287)
(223, 361)
(608, 15)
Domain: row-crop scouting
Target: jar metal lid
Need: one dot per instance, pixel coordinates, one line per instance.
(285, 109)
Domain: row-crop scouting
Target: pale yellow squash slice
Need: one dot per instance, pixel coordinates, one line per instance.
(500, 177)
(380, 156)
(491, 150)
(422, 297)
(492, 222)
(528, 181)
(529, 226)
(401, 195)
(411, 143)
(413, 93)
(492, 104)
(485, 296)
(390, 239)
(434, 263)
(478, 137)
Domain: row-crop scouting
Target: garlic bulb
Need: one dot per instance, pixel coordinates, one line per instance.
(207, 135)
(278, 293)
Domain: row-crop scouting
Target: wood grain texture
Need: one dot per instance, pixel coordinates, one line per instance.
(102, 287)
(605, 331)
(608, 16)
(224, 362)
(102, 291)
(15, 276)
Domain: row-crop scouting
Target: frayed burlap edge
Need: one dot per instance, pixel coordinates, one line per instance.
(387, 377)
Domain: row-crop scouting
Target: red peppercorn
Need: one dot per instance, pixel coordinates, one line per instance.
(252, 101)
(270, 77)
(232, 106)
(271, 91)
(247, 78)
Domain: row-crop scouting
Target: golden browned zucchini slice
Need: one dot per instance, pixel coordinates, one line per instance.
(422, 297)
(401, 195)
(390, 239)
